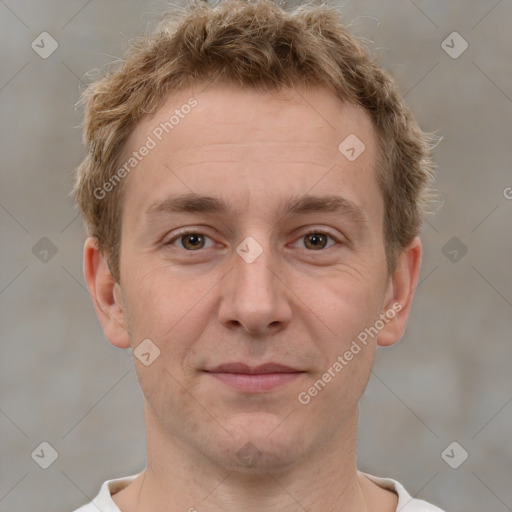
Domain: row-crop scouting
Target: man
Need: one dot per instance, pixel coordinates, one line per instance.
(253, 192)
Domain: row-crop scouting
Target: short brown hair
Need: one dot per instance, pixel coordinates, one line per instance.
(253, 44)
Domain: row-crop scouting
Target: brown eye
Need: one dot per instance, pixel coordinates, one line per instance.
(315, 240)
(192, 241)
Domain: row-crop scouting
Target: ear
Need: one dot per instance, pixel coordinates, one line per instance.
(105, 293)
(400, 293)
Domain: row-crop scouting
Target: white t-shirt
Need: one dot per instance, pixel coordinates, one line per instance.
(406, 503)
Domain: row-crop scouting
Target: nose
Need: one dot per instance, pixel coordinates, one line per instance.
(255, 296)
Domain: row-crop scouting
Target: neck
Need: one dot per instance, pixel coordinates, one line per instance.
(179, 479)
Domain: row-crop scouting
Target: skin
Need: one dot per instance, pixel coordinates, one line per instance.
(296, 304)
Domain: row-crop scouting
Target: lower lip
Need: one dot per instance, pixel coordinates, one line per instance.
(257, 382)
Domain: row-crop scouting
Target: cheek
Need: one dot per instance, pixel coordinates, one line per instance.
(170, 310)
(345, 302)
(348, 352)
(171, 397)
(347, 306)
(164, 305)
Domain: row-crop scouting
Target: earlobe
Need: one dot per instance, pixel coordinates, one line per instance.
(400, 294)
(106, 296)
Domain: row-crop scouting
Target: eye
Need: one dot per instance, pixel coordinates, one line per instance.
(317, 240)
(190, 240)
(194, 240)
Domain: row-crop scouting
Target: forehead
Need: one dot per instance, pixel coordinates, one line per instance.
(252, 146)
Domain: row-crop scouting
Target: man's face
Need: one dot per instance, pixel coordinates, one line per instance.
(204, 300)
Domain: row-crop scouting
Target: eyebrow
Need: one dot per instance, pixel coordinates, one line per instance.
(195, 203)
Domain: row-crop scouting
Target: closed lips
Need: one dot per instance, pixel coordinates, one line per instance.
(250, 370)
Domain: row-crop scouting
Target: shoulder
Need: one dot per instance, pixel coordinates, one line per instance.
(103, 501)
(406, 503)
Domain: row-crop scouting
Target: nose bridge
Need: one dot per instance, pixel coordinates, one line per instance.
(254, 297)
(254, 280)
(252, 267)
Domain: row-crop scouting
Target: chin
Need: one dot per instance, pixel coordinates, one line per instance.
(262, 442)
(255, 457)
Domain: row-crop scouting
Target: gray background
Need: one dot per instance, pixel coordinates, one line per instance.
(448, 380)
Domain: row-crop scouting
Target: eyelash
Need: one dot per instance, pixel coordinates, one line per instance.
(196, 232)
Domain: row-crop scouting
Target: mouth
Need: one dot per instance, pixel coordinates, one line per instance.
(265, 377)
